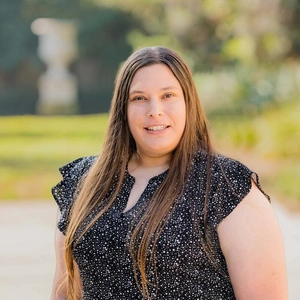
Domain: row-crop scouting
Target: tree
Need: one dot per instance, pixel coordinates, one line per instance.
(290, 21)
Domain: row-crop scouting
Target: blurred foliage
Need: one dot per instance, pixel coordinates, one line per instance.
(245, 90)
(290, 18)
(16, 40)
(275, 134)
(233, 36)
(19, 66)
(216, 33)
(103, 46)
(102, 41)
(284, 183)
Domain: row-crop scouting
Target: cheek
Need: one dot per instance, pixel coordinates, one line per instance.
(134, 122)
(133, 113)
(130, 118)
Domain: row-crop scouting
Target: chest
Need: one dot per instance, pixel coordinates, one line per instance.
(182, 264)
(179, 245)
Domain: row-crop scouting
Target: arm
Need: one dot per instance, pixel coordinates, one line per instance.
(59, 289)
(252, 244)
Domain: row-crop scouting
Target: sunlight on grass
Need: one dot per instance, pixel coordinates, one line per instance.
(32, 149)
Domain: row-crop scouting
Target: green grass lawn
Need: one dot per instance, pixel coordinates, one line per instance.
(32, 149)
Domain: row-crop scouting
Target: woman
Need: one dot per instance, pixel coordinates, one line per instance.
(160, 215)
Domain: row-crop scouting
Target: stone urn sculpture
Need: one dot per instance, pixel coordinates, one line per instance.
(57, 49)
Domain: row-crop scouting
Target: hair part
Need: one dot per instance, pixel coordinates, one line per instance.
(119, 146)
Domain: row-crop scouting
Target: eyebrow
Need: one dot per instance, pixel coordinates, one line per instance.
(171, 87)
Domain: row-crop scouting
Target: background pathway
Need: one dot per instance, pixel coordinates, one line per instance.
(27, 257)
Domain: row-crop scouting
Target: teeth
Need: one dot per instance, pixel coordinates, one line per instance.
(156, 128)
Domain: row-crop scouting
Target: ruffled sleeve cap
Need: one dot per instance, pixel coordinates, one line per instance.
(231, 182)
(65, 191)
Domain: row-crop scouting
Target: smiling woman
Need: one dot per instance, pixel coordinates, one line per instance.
(158, 214)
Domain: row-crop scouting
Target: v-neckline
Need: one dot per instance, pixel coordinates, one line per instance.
(129, 181)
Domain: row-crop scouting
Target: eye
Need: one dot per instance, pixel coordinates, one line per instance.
(138, 98)
(168, 95)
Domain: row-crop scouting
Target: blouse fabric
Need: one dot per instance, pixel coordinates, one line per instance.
(183, 267)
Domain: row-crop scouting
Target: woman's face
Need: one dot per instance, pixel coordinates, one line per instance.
(156, 111)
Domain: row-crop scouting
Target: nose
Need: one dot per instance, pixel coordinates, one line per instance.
(155, 108)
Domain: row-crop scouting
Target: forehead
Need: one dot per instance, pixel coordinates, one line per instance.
(154, 76)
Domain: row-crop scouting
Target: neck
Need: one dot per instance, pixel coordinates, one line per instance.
(159, 164)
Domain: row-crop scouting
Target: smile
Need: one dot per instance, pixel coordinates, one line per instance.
(157, 128)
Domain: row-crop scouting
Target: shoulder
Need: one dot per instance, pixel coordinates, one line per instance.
(236, 176)
(219, 167)
(228, 182)
(65, 191)
(72, 173)
(232, 174)
(78, 167)
(224, 171)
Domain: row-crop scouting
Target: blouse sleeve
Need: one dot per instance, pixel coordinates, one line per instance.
(65, 191)
(231, 182)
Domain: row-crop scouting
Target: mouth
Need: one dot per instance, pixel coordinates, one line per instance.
(157, 128)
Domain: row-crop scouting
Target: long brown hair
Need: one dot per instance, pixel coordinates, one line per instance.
(118, 148)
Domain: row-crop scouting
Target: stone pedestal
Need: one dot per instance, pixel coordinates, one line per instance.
(57, 48)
